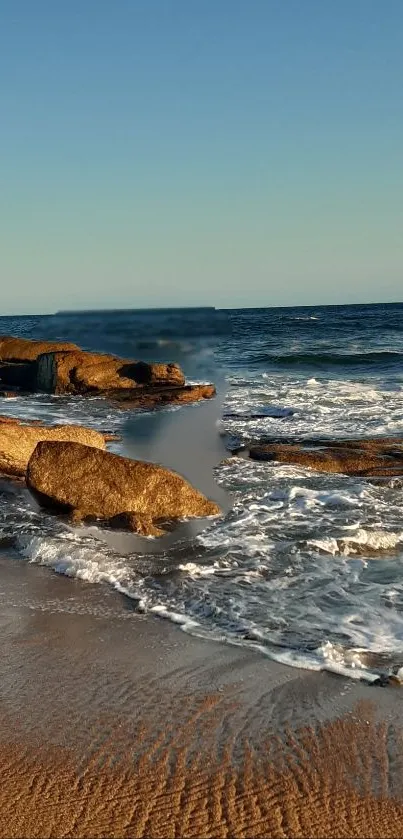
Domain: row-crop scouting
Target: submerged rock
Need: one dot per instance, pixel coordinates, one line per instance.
(386, 680)
(368, 458)
(141, 524)
(9, 394)
(266, 412)
(94, 484)
(18, 441)
(151, 398)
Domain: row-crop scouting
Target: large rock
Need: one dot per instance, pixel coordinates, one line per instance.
(84, 372)
(18, 441)
(55, 371)
(21, 349)
(94, 484)
(367, 458)
(153, 397)
(63, 368)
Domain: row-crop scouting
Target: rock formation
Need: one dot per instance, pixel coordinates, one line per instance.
(62, 368)
(22, 349)
(18, 441)
(82, 372)
(371, 458)
(92, 484)
(152, 397)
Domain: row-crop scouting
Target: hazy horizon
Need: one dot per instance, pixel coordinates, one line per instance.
(225, 154)
(214, 308)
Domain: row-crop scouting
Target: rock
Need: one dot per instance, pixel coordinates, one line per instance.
(118, 374)
(18, 375)
(141, 524)
(55, 370)
(18, 421)
(18, 441)
(111, 436)
(101, 485)
(386, 680)
(266, 412)
(20, 349)
(60, 368)
(82, 372)
(368, 458)
(10, 420)
(161, 396)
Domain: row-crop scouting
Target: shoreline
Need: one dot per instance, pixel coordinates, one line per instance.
(119, 724)
(115, 724)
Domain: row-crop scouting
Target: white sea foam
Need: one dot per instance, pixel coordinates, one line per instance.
(294, 560)
(252, 594)
(91, 411)
(293, 570)
(73, 558)
(376, 541)
(319, 405)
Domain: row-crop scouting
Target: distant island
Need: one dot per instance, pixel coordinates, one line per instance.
(128, 309)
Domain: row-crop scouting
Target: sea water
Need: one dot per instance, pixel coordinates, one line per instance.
(305, 566)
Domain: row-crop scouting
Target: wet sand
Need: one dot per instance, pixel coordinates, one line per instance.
(114, 724)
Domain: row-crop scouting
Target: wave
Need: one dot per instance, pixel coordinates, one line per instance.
(305, 317)
(376, 543)
(192, 595)
(317, 359)
(164, 344)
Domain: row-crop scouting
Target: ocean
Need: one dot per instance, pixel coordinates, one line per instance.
(305, 567)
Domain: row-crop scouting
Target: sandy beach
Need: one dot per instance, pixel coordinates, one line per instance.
(201, 419)
(130, 727)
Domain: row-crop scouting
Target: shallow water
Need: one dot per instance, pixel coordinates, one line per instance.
(304, 566)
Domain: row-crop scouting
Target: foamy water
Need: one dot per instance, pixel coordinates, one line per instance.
(305, 567)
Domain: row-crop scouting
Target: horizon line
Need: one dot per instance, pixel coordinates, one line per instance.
(201, 308)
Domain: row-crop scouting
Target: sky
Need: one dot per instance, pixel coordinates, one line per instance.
(200, 152)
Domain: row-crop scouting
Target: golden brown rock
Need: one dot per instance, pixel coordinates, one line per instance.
(63, 368)
(111, 436)
(364, 458)
(18, 441)
(118, 374)
(141, 524)
(18, 421)
(55, 370)
(101, 485)
(84, 372)
(21, 349)
(10, 420)
(161, 396)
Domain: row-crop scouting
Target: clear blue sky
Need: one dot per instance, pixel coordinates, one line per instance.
(222, 152)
